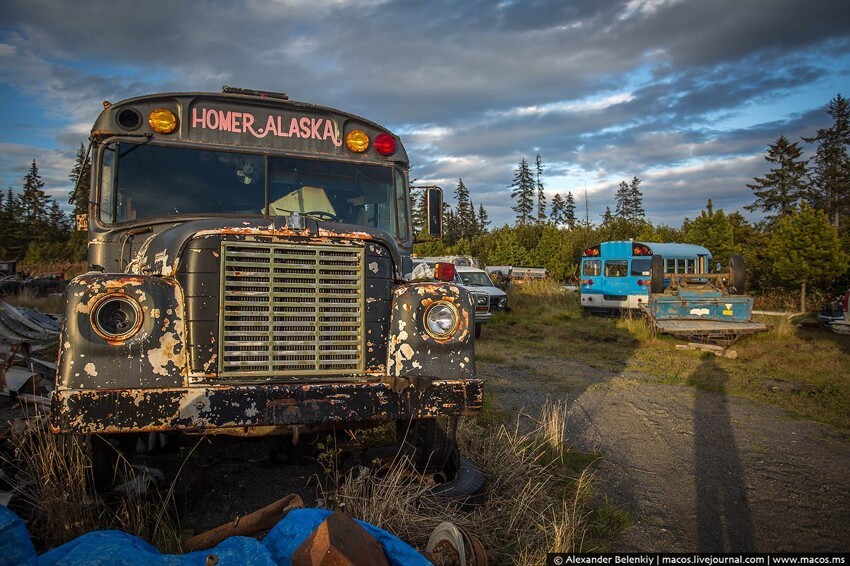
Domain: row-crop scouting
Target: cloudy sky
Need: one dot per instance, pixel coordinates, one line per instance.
(685, 95)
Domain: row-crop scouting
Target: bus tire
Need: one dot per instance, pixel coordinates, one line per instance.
(738, 275)
(656, 281)
(431, 444)
(468, 487)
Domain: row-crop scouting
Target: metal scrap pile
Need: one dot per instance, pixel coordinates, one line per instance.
(25, 379)
(23, 333)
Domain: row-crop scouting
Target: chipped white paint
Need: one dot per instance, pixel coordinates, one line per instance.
(170, 351)
(373, 267)
(700, 312)
(91, 369)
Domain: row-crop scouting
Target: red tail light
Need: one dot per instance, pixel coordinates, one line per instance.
(640, 282)
(444, 271)
(590, 281)
(385, 144)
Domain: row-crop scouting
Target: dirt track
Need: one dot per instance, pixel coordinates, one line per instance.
(696, 470)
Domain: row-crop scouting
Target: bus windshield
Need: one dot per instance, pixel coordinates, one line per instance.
(143, 181)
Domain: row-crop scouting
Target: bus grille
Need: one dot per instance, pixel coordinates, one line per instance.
(291, 310)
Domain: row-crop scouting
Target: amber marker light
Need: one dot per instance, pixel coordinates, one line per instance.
(162, 121)
(357, 141)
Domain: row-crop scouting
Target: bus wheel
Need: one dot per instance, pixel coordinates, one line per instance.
(738, 275)
(431, 444)
(656, 281)
(477, 329)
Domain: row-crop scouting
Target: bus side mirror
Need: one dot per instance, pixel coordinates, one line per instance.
(434, 212)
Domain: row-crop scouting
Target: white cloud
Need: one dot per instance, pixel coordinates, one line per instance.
(592, 104)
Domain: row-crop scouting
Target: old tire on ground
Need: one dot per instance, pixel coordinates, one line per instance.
(656, 281)
(738, 275)
(105, 457)
(477, 329)
(430, 444)
(468, 485)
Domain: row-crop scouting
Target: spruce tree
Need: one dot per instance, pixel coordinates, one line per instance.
(784, 186)
(464, 211)
(541, 195)
(419, 211)
(805, 248)
(522, 191)
(570, 211)
(607, 218)
(483, 219)
(33, 198)
(80, 175)
(556, 216)
(623, 208)
(9, 226)
(831, 169)
(712, 230)
(636, 201)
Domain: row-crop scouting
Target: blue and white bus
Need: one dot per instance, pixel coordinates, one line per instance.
(617, 275)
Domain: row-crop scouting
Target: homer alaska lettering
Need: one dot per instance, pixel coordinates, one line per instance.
(305, 127)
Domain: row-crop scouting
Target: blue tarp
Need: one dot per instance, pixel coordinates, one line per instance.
(119, 548)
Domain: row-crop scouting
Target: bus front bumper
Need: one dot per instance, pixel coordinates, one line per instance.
(237, 409)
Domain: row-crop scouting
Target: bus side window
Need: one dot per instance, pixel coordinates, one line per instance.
(592, 267)
(691, 266)
(616, 268)
(669, 266)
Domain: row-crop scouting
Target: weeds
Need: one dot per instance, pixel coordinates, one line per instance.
(54, 478)
(536, 504)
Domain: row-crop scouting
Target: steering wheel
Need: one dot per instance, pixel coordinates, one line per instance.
(322, 215)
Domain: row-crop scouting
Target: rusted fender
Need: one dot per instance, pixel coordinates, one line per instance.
(155, 356)
(412, 351)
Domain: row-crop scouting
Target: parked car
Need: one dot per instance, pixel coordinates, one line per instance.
(486, 295)
(843, 326)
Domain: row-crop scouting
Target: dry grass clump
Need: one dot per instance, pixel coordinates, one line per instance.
(535, 503)
(69, 269)
(50, 304)
(53, 476)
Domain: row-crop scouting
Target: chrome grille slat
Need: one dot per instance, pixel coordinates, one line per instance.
(291, 310)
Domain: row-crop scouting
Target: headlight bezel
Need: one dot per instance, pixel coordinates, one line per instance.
(98, 324)
(430, 309)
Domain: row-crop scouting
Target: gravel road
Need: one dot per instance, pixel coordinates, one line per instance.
(697, 470)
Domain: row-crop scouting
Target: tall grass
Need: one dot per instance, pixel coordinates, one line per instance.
(54, 477)
(536, 503)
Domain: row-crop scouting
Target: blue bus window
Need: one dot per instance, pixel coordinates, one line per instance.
(669, 266)
(616, 268)
(592, 267)
(691, 266)
(641, 267)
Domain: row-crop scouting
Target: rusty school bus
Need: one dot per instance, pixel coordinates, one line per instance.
(246, 256)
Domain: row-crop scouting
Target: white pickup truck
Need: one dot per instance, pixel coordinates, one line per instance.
(487, 296)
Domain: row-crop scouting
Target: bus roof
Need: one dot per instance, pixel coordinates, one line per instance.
(239, 120)
(677, 250)
(664, 249)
